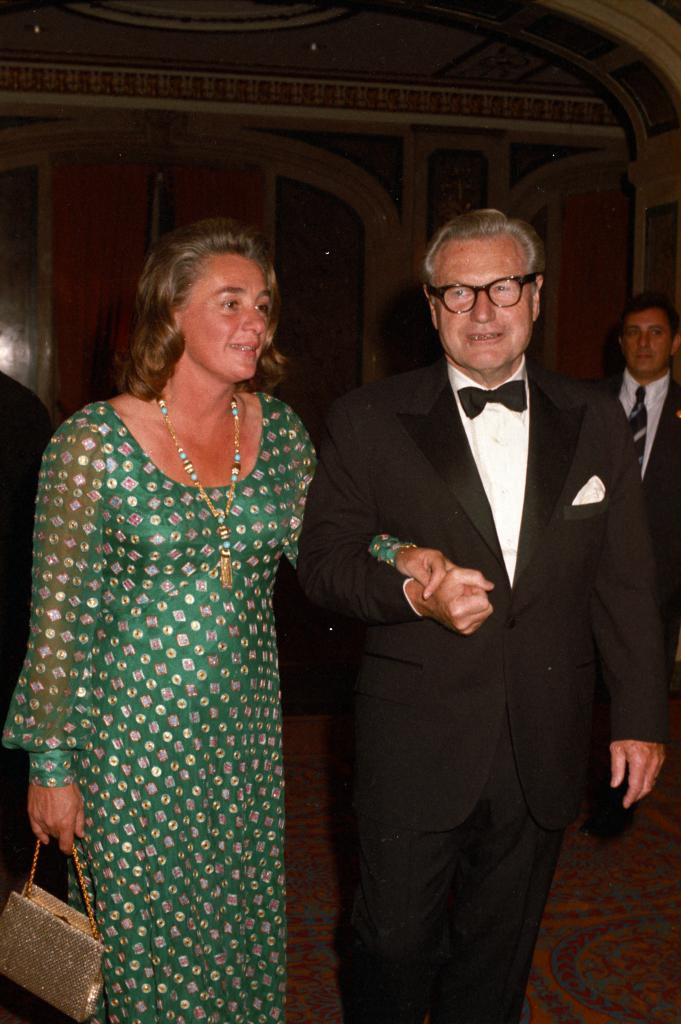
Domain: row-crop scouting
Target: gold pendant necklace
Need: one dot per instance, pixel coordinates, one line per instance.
(222, 517)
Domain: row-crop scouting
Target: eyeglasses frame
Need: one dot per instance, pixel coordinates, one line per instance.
(438, 291)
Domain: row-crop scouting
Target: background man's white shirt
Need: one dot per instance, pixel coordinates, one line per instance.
(656, 392)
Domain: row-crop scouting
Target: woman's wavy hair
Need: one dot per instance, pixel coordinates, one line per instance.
(172, 267)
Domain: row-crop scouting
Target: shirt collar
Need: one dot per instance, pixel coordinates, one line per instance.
(653, 390)
(458, 380)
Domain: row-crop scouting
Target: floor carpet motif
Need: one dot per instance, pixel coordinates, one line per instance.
(609, 951)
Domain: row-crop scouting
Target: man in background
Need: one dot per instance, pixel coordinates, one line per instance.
(651, 399)
(649, 337)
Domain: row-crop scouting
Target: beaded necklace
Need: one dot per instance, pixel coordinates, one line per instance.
(222, 517)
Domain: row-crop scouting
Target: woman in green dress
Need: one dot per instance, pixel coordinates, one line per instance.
(149, 699)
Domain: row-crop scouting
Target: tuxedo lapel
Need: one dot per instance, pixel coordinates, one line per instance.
(554, 431)
(553, 438)
(439, 434)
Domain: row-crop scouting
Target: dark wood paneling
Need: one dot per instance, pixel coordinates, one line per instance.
(18, 274)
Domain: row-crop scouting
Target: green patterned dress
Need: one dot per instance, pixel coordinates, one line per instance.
(157, 691)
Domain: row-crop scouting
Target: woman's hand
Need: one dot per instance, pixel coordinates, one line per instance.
(427, 566)
(455, 597)
(56, 811)
(461, 602)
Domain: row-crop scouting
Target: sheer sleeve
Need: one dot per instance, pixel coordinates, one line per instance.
(303, 460)
(50, 711)
(384, 548)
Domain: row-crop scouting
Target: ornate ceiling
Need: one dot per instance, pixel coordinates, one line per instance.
(397, 42)
(207, 15)
(502, 47)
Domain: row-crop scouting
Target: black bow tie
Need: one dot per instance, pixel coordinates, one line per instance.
(512, 395)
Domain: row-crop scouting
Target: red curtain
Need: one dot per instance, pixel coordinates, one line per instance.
(593, 280)
(101, 219)
(99, 237)
(213, 192)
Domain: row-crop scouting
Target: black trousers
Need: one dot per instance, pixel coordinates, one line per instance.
(448, 921)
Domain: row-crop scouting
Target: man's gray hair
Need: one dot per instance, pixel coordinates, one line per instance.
(486, 224)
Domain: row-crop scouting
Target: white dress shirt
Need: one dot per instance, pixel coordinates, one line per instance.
(498, 439)
(656, 392)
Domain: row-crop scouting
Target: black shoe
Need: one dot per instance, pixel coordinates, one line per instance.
(608, 823)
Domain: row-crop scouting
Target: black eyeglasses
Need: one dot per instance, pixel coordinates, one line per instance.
(460, 298)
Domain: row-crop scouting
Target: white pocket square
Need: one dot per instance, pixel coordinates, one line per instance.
(592, 491)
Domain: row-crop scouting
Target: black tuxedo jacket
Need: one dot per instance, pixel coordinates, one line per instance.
(25, 429)
(430, 702)
(662, 496)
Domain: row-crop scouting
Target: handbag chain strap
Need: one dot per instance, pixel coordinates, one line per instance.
(81, 883)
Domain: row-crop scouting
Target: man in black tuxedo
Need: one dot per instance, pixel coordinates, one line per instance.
(473, 703)
(651, 399)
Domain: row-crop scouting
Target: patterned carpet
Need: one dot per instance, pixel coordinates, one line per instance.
(610, 945)
(609, 950)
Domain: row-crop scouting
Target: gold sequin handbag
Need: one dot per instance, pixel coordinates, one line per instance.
(50, 949)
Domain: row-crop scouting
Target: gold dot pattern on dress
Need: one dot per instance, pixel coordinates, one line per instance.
(158, 692)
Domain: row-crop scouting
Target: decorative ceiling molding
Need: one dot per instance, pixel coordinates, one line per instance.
(650, 96)
(401, 100)
(572, 36)
(206, 15)
(670, 7)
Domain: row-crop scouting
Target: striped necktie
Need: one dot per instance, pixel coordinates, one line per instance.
(638, 421)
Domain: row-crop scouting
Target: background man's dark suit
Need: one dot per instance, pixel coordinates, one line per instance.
(25, 429)
(662, 495)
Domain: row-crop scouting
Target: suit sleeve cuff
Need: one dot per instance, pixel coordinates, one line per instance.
(404, 591)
